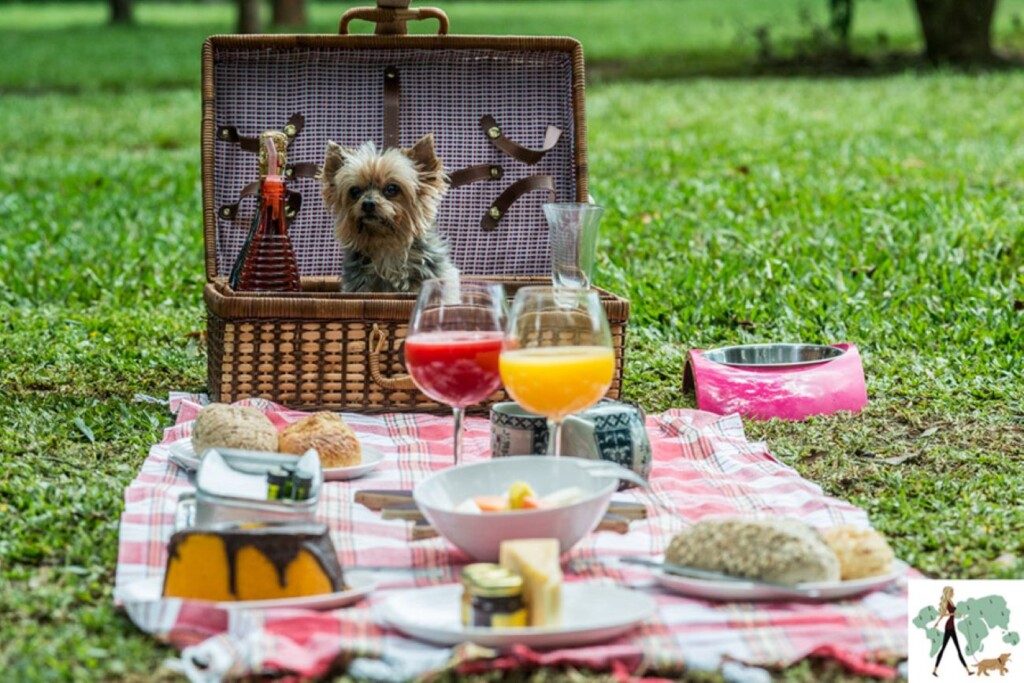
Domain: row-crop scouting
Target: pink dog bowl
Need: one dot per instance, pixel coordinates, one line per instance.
(787, 381)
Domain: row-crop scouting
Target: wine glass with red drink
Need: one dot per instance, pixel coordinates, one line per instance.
(455, 338)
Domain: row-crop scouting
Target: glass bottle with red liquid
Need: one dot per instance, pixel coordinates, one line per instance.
(267, 262)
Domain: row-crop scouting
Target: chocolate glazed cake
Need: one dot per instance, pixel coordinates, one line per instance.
(252, 562)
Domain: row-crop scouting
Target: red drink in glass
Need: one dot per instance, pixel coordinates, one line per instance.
(455, 368)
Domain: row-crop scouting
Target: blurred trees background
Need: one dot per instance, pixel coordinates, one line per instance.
(954, 31)
(249, 16)
(121, 12)
(284, 14)
(957, 31)
(289, 13)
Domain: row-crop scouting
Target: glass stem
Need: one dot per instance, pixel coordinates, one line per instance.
(457, 414)
(554, 437)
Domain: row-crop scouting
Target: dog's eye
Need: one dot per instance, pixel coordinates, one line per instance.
(355, 192)
(390, 190)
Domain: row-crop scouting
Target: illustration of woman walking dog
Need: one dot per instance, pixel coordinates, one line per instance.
(948, 609)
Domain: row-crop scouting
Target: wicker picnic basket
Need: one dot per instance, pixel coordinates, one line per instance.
(507, 114)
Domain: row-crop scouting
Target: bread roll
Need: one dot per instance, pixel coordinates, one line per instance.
(328, 434)
(780, 550)
(861, 552)
(224, 426)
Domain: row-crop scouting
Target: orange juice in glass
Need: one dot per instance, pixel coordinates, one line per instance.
(558, 381)
(557, 357)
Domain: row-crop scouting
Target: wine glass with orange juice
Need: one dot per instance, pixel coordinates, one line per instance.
(557, 357)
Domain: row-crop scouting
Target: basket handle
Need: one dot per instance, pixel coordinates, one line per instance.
(378, 339)
(392, 20)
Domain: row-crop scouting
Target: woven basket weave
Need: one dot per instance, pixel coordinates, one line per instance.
(323, 349)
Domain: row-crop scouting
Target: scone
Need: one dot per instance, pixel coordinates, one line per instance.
(781, 550)
(328, 434)
(221, 425)
(861, 552)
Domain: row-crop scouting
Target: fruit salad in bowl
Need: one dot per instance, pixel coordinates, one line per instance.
(477, 506)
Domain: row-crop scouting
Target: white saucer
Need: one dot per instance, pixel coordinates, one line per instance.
(185, 457)
(742, 591)
(372, 458)
(591, 613)
(359, 585)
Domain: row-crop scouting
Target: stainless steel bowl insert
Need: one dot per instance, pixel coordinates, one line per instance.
(773, 355)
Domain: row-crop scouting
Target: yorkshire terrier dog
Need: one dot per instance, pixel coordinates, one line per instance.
(384, 206)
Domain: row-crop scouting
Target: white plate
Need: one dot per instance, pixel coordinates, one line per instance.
(360, 584)
(591, 613)
(183, 456)
(742, 591)
(372, 458)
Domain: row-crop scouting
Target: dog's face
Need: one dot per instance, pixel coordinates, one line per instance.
(381, 201)
(1003, 658)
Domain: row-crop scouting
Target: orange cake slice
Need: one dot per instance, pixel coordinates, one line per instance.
(252, 562)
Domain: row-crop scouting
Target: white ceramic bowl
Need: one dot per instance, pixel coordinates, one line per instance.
(480, 534)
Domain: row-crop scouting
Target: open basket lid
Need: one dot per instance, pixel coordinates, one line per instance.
(507, 115)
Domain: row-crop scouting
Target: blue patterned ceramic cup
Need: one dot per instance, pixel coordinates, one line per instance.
(517, 432)
(610, 431)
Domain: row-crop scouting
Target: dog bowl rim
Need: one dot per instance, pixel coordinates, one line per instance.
(832, 353)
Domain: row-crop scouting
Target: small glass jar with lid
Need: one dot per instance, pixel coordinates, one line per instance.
(496, 600)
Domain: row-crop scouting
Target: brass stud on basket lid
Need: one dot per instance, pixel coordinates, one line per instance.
(494, 132)
(290, 130)
(494, 213)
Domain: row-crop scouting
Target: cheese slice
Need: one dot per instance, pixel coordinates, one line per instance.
(536, 560)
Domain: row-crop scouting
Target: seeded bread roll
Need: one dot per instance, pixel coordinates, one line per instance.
(781, 550)
(861, 552)
(221, 425)
(328, 434)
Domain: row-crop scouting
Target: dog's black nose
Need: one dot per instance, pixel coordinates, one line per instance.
(369, 206)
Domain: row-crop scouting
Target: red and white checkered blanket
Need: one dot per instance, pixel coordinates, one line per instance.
(703, 464)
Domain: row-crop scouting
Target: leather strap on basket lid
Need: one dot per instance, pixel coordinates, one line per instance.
(378, 340)
(230, 134)
(517, 189)
(392, 99)
(283, 140)
(526, 155)
(474, 174)
(292, 202)
(391, 17)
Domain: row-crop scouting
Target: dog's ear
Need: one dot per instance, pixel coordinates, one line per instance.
(334, 159)
(423, 155)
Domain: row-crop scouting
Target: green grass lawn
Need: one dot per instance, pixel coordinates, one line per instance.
(883, 211)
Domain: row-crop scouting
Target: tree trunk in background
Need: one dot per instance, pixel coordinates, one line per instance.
(289, 13)
(121, 12)
(957, 31)
(840, 21)
(249, 16)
